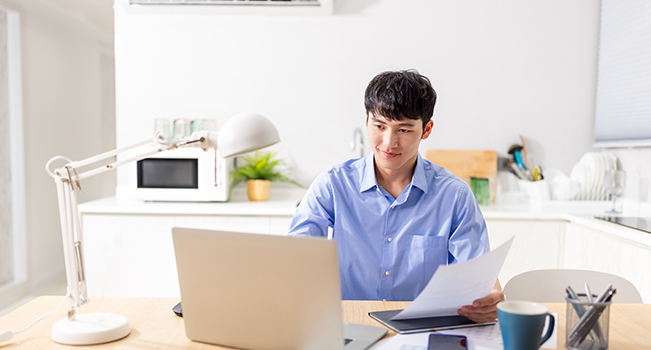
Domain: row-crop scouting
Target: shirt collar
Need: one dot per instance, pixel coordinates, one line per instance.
(419, 180)
(368, 174)
(369, 181)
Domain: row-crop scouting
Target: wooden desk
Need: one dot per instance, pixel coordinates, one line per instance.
(154, 326)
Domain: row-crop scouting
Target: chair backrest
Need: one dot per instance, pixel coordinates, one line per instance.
(548, 286)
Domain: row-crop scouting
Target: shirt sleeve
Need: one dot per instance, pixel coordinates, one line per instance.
(469, 235)
(315, 213)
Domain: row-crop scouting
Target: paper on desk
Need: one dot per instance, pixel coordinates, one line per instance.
(419, 341)
(453, 286)
(479, 338)
(490, 337)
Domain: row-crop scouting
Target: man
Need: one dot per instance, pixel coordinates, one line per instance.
(394, 215)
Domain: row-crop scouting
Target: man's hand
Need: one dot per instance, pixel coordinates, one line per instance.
(485, 309)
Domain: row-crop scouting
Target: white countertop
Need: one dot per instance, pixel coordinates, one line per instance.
(578, 212)
(280, 203)
(283, 203)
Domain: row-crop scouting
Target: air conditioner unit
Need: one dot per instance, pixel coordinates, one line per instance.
(279, 7)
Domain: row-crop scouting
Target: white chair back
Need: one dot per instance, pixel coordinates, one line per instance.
(548, 286)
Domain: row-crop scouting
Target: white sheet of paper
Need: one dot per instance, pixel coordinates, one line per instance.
(479, 338)
(453, 286)
(419, 341)
(491, 336)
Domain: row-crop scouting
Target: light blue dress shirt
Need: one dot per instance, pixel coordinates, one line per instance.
(389, 248)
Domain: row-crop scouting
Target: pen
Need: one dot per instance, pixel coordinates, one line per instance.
(571, 291)
(603, 295)
(524, 153)
(580, 310)
(609, 297)
(518, 172)
(589, 321)
(587, 292)
(518, 159)
(597, 328)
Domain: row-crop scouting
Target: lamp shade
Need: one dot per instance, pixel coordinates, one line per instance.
(245, 133)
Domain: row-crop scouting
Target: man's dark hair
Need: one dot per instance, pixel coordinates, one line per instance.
(399, 95)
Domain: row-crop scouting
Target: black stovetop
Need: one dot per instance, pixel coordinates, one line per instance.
(642, 224)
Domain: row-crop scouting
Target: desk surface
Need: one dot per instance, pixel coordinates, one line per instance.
(154, 326)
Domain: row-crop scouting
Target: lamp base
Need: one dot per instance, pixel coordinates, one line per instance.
(87, 329)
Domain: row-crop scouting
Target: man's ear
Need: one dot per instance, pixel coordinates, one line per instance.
(366, 118)
(428, 129)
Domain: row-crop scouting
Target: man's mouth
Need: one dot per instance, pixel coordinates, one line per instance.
(390, 154)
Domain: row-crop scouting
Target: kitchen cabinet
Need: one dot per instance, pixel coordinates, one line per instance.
(129, 252)
(536, 245)
(597, 249)
(568, 241)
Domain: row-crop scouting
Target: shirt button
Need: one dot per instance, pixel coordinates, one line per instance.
(392, 207)
(386, 273)
(389, 239)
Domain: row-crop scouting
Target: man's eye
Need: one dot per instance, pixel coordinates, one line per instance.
(404, 130)
(378, 126)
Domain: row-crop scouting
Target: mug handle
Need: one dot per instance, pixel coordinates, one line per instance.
(550, 329)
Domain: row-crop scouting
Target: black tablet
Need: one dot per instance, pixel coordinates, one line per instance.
(425, 324)
(178, 310)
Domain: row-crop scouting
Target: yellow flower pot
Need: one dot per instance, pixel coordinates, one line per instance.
(258, 190)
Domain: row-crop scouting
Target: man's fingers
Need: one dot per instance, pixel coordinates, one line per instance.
(484, 318)
(491, 299)
(480, 310)
(484, 309)
(479, 317)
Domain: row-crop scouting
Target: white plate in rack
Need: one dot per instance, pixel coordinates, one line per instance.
(589, 174)
(578, 175)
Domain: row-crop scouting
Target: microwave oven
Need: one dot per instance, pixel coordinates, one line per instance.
(184, 175)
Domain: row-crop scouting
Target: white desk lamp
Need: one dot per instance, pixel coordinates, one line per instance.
(241, 134)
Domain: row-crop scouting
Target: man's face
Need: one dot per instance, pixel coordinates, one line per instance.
(395, 142)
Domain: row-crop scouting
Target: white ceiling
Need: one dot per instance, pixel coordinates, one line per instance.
(97, 13)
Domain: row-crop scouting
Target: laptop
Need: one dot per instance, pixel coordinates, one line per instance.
(254, 291)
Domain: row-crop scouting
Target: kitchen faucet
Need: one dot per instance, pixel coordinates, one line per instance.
(358, 136)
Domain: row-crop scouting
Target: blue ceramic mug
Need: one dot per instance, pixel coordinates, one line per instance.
(522, 324)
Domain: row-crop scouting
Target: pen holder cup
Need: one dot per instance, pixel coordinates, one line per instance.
(535, 192)
(587, 324)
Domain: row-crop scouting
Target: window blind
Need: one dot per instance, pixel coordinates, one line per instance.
(623, 106)
(6, 241)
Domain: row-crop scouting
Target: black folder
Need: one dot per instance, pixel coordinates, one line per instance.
(425, 324)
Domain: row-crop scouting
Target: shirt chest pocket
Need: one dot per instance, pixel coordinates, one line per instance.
(425, 254)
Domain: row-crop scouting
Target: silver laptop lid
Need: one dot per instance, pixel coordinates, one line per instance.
(256, 291)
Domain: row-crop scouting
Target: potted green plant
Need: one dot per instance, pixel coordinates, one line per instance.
(258, 171)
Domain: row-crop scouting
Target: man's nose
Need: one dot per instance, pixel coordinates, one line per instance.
(390, 139)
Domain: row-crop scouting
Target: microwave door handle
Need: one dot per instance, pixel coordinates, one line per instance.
(215, 163)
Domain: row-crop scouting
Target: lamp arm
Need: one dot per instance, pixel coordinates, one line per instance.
(73, 165)
(76, 286)
(67, 180)
(107, 167)
(164, 145)
(243, 133)
(105, 155)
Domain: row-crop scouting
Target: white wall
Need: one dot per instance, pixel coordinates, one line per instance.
(61, 109)
(502, 68)
(637, 164)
